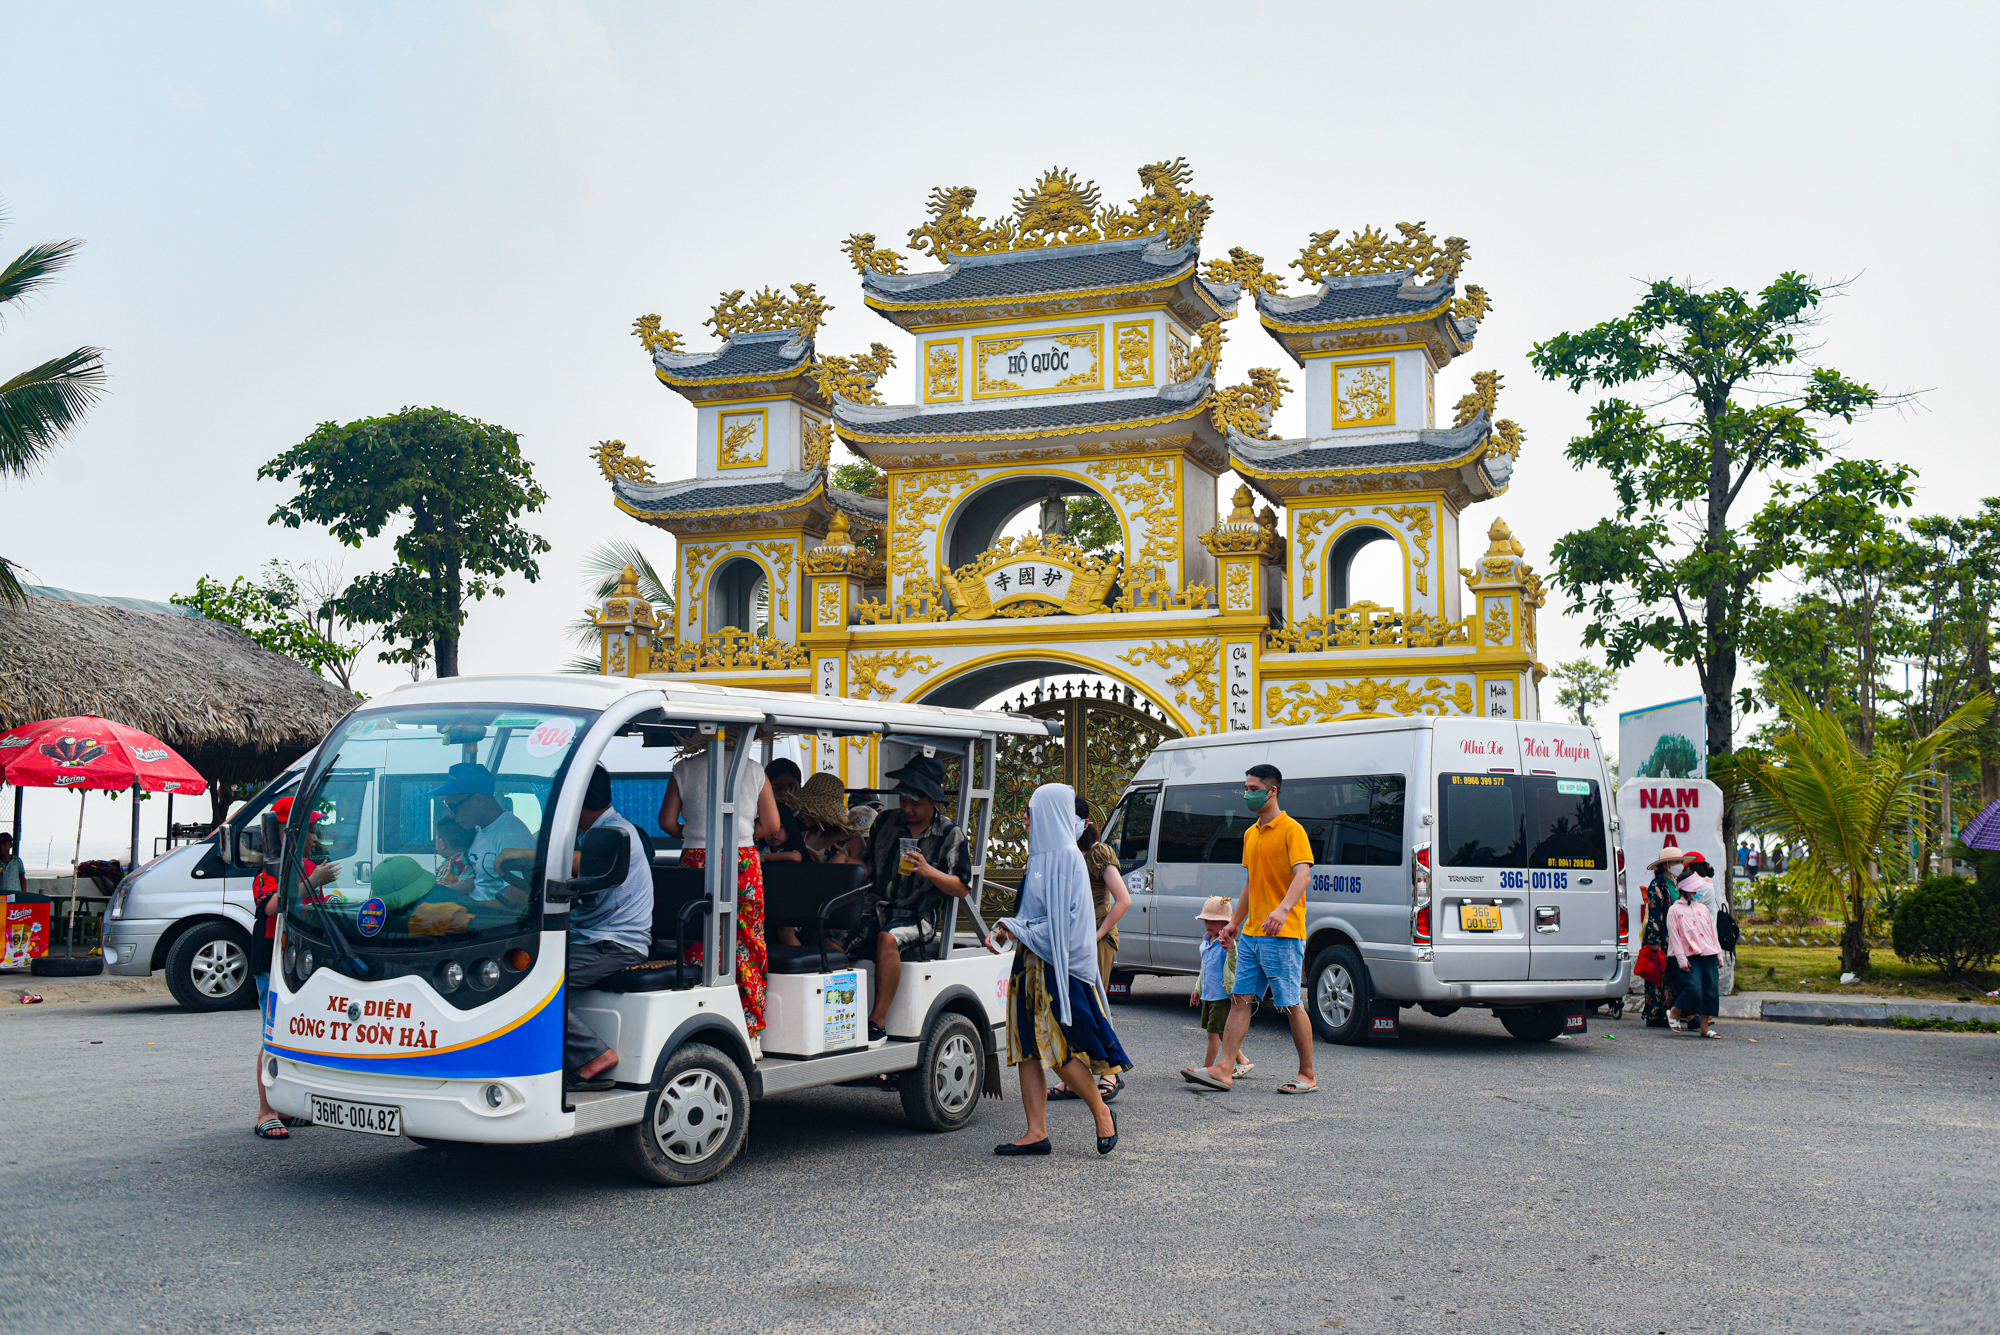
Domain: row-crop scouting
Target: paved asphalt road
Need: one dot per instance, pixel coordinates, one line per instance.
(1628, 1181)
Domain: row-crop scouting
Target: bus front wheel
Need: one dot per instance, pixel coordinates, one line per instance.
(697, 1118)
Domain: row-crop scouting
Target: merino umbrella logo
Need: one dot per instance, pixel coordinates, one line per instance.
(149, 754)
(76, 751)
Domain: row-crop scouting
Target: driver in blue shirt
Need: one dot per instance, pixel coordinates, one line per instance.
(500, 838)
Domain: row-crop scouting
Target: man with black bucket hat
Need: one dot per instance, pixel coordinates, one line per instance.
(917, 856)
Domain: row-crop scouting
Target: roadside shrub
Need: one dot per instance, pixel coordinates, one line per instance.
(1946, 922)
(1787, 898)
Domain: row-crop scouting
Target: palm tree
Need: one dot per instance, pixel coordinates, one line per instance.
(42, 404)
(601, 571)
(1815, 789)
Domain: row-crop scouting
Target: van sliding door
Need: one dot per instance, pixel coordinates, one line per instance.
(1571, 887)
(1199, 853)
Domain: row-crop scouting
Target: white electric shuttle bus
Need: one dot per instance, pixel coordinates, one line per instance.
(401, 1008)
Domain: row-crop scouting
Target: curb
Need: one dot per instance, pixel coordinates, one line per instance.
(1877, 1013)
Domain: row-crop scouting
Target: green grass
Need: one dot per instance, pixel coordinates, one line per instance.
(1951, 1026)
(1804, 969)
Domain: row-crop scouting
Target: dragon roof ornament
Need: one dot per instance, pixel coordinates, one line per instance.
(1059, 209)
(1371, 251)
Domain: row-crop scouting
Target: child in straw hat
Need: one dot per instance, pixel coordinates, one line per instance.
(1218, 975)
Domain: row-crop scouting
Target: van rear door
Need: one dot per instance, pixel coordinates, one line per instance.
(1479, 901)
(1572, 881)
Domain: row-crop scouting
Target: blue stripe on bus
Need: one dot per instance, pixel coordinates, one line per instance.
(533, 1047)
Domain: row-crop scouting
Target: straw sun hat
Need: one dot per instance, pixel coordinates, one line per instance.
(824, 798)
(1671, 853)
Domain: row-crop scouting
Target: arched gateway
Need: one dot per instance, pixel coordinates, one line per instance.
(1073, 349)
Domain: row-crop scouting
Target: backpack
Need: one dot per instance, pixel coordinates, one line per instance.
(1727, 933)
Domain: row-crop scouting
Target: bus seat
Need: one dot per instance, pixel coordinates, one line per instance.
(652, 976)
(808, 896)
(674, 889)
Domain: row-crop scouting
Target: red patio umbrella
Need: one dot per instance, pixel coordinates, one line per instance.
(86, 752)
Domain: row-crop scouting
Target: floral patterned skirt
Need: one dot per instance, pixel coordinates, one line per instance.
(1036, 1034)
(752, 958)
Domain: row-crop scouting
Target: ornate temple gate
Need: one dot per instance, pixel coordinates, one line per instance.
(1107, 733)
(1073, 350)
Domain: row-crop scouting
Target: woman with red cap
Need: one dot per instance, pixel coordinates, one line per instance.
(264, 889)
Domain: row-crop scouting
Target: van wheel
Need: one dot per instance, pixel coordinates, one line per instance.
(1534, 1024)
(1337, 995)
(942, 1093)
(696, 1120)
(208, 968)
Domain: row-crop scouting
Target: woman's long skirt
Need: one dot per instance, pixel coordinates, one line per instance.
(752, 958)
(1036, 1034)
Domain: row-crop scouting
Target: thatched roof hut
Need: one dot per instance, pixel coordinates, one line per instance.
(237, 712)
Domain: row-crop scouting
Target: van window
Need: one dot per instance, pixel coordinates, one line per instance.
(1479, 821)
(1565, 822)
(637, 797)
(1130, 829)
(1204, 822)
(340, 807)
(1351, 822)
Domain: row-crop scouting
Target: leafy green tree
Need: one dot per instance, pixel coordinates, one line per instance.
(1585, 685)
(1094, 526)
(1673, 758)
(1846, 808)
(44, 403)
(284, 612)
(1677, 571)
(459, 482)
(864, 479)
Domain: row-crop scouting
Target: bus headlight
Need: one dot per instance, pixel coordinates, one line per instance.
(485, 974)
(495, 1096)
(306, 962)
(449, 975)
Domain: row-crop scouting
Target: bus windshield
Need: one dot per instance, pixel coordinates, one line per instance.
(430, 823)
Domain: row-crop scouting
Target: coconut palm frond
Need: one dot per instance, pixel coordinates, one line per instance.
(11, 592)
(607, 561)
(583, 664)
(1846, 807)
(41, 405)
(35, 266)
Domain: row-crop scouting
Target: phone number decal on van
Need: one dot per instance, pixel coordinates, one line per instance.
(1324, 883)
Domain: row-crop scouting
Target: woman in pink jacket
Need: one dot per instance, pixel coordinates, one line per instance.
(1691, 941)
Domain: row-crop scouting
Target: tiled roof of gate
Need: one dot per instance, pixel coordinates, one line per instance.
(1022, 419)
(1032, 272)
(1368, 297)
(1323, 454)
(744, 356)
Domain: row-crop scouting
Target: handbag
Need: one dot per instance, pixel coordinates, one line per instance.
(1651, 965)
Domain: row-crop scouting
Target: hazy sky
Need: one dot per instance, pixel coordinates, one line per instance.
(299, 212)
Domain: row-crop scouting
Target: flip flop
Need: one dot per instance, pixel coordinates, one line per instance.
(598, 1086)
(271, 1128)
(1243, 1069)
(1297, 1086)
(1194, 1075)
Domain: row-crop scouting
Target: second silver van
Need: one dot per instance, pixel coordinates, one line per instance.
(1457, 862)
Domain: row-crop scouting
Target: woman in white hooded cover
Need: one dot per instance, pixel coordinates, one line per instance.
(1057, 1018)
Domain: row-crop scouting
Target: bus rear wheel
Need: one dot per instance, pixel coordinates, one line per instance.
(943, 1092)
(696, 1120)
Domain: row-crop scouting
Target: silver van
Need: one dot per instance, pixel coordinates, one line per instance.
(1456, 862)
(191, 914)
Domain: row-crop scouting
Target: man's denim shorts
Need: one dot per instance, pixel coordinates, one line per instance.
(1276, 962)
(263, 987)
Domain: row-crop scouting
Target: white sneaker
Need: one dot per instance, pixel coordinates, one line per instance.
(756, 1048)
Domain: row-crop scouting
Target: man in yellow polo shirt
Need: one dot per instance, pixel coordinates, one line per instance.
(1272, 953)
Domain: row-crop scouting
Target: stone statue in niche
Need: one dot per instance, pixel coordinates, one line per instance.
(1055, 514)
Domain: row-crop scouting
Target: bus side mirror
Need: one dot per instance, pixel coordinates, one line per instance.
(249, 848)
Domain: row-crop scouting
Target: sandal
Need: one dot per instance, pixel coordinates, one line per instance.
(1061, 1092)
(1244, 1068)
(271, 1128)
(1298, 1086)
(1117, 1087)
(1196, 1075)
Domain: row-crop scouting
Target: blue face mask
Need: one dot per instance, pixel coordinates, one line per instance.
(1255, 798)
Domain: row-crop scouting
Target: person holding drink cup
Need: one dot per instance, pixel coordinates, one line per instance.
(917, 855)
